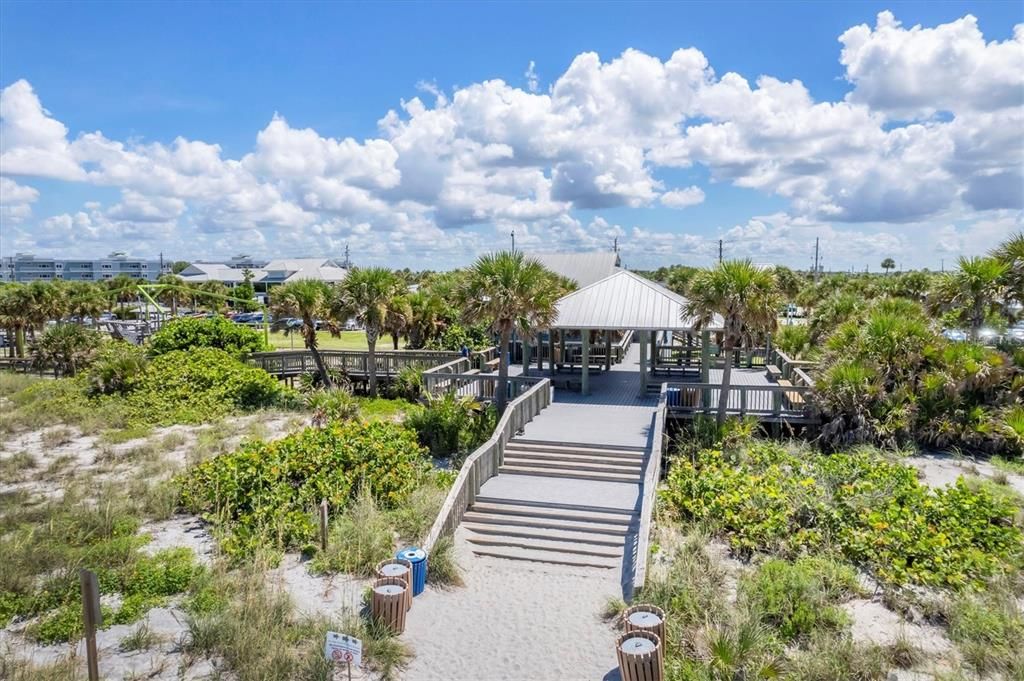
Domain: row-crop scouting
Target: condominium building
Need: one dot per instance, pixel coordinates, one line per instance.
(25, 267)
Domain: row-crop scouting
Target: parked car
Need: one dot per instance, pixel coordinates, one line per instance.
(955, 334)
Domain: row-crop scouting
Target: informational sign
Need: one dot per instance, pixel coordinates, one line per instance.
(343, 649)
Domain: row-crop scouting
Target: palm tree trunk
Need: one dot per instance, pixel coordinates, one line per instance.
(723, 395)
(501, 390)
(310, 339)
(371, 360)
(394, 339)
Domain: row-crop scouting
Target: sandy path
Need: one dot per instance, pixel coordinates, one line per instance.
(514, 620)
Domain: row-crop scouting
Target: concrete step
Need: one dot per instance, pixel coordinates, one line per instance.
(516, 509)
(535, 556)
(545, 446)
(547, 533)
(551, 505)
(569, 473)
(573, 548)
(572, 456)
(574, 465)
(546, 523)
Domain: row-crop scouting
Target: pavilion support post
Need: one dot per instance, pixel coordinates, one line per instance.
(561, 350)
(607, 350)
(551, 350)
(525, 342)
(643, 362)
(540, 353)
(585, 381)
(705, 356)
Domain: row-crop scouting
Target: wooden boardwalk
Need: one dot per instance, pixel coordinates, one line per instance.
(570, 488)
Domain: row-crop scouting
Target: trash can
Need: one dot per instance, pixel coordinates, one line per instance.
(388, 604)
(642, 617)
(640, 658)
(673, 396)
(400, 568)
(418, 558)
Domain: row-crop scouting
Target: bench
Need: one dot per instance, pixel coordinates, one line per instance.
(773, 372)
(794, 398)
(492, 364)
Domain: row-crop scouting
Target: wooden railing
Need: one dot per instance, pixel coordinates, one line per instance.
(767, 402)
(652, 475)
(483, 463)
(479, 386)
(792, 370)
(352, 362)
(22, 364)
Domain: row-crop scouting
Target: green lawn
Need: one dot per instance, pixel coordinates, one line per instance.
(382, 409)
(349, 340)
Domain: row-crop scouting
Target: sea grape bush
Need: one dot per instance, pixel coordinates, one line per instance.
(196, 385)
(213, 332)
(265, 493)
(872, 509)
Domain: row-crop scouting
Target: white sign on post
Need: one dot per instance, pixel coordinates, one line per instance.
(342, 649)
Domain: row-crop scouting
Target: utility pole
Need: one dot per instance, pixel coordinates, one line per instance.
(816, 259)
(348, 265)
(943, 266)
(615, 245)
(513, 241)
(719, 251)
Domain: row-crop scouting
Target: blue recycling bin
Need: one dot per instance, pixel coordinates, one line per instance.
(418, 558)
(673, 397)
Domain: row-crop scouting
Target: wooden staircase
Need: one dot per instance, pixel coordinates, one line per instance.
(567, 534)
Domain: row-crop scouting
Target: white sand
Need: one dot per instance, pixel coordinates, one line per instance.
(514, 620)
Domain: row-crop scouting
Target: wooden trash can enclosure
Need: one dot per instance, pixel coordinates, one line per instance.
(401, 568)
(640, 656)
(645, 618)
(389, 602)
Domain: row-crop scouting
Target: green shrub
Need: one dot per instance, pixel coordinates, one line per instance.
(799, 598)
(873, 510)
(68, 348)
(265, 493)
(212, 332)
(451, 426)
(331, 405)
(408, 384)
(199, 385)
(829, 657)
(117, 368)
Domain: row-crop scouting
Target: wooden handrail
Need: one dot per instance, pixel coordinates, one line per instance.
(388, 362)
(755, 400)
(483, 463)
(652, 475)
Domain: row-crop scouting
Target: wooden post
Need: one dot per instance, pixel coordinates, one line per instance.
(92, 617)
(524, 342)
(643, 362)
(561, 342)
(607, 350)
(540, 353)
(323, 525)
(551, 350)
(585, 361)
(705, 356)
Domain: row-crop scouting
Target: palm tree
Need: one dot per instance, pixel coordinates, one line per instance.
(888, 264)
(15, 315)
(366, 294)
(1011, 253)
(510, 292)
(86, 299)
(746, 297)
(973, 291)
(398, 318)
(172, 294)
(309, 300)
(427, 317)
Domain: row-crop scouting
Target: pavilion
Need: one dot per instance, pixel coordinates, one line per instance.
(625, 301)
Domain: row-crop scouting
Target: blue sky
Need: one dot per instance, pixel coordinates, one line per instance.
(217, 73)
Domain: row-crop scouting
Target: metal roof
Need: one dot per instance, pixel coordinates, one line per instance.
(583, 268)
(625, 301)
